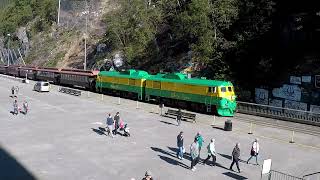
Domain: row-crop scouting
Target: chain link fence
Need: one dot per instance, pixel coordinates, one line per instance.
(11, 56)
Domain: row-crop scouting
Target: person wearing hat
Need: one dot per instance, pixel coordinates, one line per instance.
(211, 152)
(254, 151)
(180, 145)
(148, 176)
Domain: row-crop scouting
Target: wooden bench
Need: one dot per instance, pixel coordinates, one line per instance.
(70, 91)
(185, 115)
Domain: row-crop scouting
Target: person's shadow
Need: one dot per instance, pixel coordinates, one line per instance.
(100, 131)
(169, 159)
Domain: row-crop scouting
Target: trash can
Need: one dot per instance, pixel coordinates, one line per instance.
(228, 125)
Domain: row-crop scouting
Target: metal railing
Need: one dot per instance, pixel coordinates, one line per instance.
(276, 175)
(70, 91)
(294, 115)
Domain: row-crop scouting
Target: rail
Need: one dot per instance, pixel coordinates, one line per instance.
(275, 175)
(287, 114)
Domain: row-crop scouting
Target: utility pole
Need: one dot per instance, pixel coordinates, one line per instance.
(59, 13)
(9, 35)
(85, 38)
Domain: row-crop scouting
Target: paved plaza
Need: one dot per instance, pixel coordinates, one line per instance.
(60, 139)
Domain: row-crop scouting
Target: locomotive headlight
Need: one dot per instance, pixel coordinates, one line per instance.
(233, 98)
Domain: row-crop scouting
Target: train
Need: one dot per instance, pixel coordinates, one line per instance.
(171, 89)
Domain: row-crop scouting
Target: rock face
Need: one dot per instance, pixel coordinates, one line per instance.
(24, 40)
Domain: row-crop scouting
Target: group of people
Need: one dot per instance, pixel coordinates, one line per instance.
(195, 149)
(16, 108)
(114, 124)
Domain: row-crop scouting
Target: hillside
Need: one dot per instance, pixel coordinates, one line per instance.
(248, 42)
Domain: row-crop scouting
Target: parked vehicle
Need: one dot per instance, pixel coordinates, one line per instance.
(42, 86)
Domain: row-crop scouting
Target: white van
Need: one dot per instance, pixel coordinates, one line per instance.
(42, 86)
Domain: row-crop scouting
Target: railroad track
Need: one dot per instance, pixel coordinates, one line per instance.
(275, 123)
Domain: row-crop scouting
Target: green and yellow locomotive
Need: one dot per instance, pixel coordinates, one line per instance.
(173, 89)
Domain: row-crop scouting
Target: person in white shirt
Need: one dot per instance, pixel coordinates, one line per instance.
(211, 153)
(254, 151)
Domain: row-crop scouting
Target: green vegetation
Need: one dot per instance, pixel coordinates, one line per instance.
(210, 29)
(20, 12)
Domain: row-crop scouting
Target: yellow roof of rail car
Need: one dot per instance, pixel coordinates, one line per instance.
(182, 78)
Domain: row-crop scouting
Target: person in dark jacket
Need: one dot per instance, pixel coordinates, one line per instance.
(180, 145)
(110, 123)
(116, 118)
(236, 156)
(12, 91)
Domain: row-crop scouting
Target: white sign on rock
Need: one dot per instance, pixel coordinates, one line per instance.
(261, 96)
(275, 103)
(290, 92)
(295, 105)
(315, 109)
(295, 80)
(306, 79)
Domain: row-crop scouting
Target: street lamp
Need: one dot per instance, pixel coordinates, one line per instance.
(85, 37)
(9, 35)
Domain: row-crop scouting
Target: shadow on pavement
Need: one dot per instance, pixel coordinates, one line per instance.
(234, 176)
(225, 156)
(99, 131)
(165, 122)
(11, 169)
(168, 159)
(216, 127)
(173, 161)
(185, 155)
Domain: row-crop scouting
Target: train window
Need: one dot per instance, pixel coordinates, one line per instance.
(223, 89)
(230, 89)
(212, 89)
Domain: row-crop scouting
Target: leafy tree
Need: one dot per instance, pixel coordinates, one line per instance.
(133, 26)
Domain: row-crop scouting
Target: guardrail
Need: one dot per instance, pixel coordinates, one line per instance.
(294, 115)
(275, 175)
(70, 91)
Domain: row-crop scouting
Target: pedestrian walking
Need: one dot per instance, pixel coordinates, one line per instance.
(116, 124)
(15, 107)
(180, 145)
(235, 157)
(199, 137)
(148, 176)
(110, 125)
(179, 116)
(17, 90)
(194, 152)
(211, 152)
(254, 151)
(25, 107)
(12, 91)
